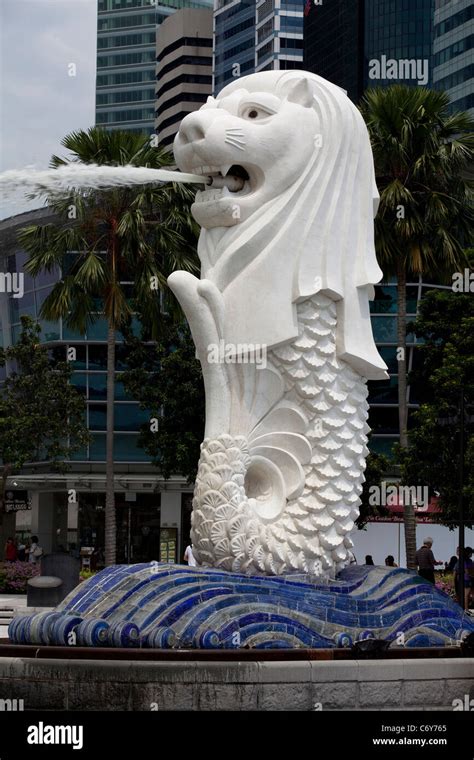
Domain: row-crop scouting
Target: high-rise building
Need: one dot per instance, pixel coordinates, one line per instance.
(256, 35)
(333, 44)
(184, 69)
(370, 43)
(234, 40)
(383, 394)
(398, 35)
(453, 52)
(361, 43)
(126, 60)
(279, 34)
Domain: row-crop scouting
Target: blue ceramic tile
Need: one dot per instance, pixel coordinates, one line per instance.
(361, 598)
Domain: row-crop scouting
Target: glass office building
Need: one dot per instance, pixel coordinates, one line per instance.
(333, 44)
(383, 394)
(234, 40)
(256, 35)
(370, 43)
(126, 60)
(453, 52)
(279, 35)
(341, 41)
(402, 31)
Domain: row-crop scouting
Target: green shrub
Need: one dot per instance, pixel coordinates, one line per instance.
(85, 574)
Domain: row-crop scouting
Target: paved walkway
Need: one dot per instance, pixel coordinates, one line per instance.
(12, 600)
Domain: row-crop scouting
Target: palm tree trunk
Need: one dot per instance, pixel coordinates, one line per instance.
(110, 529)
(409, 508)
(402, 356)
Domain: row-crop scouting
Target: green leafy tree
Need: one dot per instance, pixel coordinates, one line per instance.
(136, 234)
(42, 416)
(422, 153)
(446, 325)
(166, 380)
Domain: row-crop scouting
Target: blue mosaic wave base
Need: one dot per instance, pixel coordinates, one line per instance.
(169, 606)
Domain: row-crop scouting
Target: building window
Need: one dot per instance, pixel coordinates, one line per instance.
(185, 78)
(265, 31)
(454, 50)
(188, 42)
(126, 40)
(182, 97)
(267, 7)
(112, 98)
(288, 42)
(264, 52)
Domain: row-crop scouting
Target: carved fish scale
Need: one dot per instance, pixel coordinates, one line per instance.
(311, 533)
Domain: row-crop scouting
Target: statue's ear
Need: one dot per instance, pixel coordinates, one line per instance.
(210, 103)
(301, 93)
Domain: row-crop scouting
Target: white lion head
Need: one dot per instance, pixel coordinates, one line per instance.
(298, 216)
(250, 134)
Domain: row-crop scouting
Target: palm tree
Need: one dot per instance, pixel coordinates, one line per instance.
(138, 234)
(421, 153)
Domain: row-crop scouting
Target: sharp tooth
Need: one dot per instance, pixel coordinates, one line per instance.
(225, 169)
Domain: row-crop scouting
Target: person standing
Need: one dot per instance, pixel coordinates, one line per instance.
(10, 550)
(468, 576)
(189, 556)
(426, 561)
(35, 552)
(21, 551)
(451, 564)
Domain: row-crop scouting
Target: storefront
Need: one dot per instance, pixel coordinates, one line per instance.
(150, 526)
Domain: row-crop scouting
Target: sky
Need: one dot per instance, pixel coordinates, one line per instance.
(39, 102)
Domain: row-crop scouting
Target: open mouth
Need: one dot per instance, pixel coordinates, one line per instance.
(224, 181)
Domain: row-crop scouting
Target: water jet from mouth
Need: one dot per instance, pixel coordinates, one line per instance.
(74, 177)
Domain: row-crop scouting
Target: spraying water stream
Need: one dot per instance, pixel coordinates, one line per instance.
(75, 176)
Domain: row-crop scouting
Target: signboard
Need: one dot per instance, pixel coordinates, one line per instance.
(168, 545)
(427, 514)
(17, 501)
(420, 519)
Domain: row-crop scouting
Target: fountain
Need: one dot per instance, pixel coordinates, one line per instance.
(288, 266)
(88, 176)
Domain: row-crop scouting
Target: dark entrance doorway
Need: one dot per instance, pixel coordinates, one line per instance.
(138, 529)
(186, 509)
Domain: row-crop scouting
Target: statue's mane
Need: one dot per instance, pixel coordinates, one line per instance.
(324, 221)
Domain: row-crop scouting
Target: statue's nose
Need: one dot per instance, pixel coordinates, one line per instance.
(194, 126)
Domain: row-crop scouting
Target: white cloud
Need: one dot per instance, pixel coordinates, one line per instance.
(40, 102)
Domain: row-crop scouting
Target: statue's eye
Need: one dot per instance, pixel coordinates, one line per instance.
(255, 113)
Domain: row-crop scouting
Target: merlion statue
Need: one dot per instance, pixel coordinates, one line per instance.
(288, 268)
